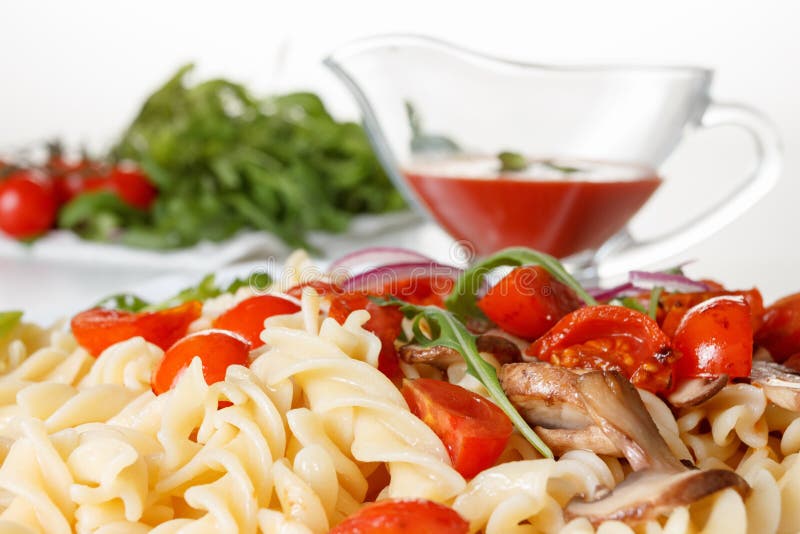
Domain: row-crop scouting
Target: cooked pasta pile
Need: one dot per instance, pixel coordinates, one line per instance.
(309, 432)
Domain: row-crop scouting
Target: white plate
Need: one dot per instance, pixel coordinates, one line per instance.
(64, 246)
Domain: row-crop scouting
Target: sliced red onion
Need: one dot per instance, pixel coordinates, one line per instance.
(600, 294)
(375, 256)
(378, 278)
(670, 282)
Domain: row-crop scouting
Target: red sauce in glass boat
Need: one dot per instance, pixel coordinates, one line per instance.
(560, 207)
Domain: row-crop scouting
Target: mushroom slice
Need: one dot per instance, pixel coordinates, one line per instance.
(616, 407)
(648, 494)
(592, 438)
(503, 349)
(781, 384)
(696, 391)
(546, 395)
(438, 355)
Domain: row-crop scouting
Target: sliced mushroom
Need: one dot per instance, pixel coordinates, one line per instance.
(696, 391)
(561, 440)
(503, 350)
(648, 494)
(661, 481)
(781, 384)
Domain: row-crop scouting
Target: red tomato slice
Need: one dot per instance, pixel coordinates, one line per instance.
(412, 516)
(385, 322)
(610, 338)
(97, 329)
(247, 317)
(216, 348)
(474, 430)
(675, 306)
(780, 333)
(715, 337)
(528, 302)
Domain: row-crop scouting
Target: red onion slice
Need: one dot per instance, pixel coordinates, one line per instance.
(377, 279)
(376, 256)
(670, 282)
(601, 295)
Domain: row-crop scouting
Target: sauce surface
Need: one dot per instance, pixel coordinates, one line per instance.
(559, 207)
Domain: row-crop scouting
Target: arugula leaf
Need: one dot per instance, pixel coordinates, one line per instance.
(512, 161)
(561, 168)
(655, 294)
(8, 320)
(462, 300)
(446, 330)
(629, 302)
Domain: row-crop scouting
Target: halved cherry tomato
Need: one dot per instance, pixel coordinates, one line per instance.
(715, 337)
(474, 430)
(407, 516)
(247, 317)
(322, 288)
(97, 329)
(385, 322)
(28, 204)
(675, 306)
(216, 348)
(611, 338)
(528, 302)
(780, 333)
(420, 290)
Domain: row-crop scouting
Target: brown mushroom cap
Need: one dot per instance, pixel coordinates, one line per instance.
(781, 384)
(696, 391)
(441, 357)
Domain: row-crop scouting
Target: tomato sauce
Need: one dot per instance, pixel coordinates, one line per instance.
(560, 209)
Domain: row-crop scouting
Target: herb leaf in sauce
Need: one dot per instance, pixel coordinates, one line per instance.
(512, 161)
(8, 320)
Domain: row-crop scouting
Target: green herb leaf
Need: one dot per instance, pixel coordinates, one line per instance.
(512, 161)
(655, 294)
(8, 320)
(123, 301)
(447, 330)
(561, 168)
(462, 300)
(629, 302)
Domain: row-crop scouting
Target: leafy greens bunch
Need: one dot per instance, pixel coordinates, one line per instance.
(224, 160)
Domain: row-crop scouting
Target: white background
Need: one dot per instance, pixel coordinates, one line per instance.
(80, 69)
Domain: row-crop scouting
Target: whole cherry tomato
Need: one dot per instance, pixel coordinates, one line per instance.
(247, 317)
(474, 430)
(412, 516)
(217, 349)
(28, 204)
(132, 186)
(611, 338)
(780, 333)
(715, 337)
(97, 329)
(528, 302)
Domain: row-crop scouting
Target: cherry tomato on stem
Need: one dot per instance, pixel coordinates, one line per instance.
(28, 204)
(247, 317)
(217, 349)
(715, 337)
(407, 516)
(609, 338)
(473, 429)
(528, 302)
(97, 329)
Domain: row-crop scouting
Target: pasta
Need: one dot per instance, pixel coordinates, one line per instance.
(311, 429)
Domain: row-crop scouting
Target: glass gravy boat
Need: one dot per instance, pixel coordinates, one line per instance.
(583, 146)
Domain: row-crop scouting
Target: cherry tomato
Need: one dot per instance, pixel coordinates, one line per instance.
(474, 430)
(611, 338)
(385, 322)
(420, 290)
(322, 288)
(715, 337)
(780, 333)
(28, 204)
(216, 348)
(97, 329)
(132, 186)
(406, 516)
(528, 302)
(247, 317)
(675, 306)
